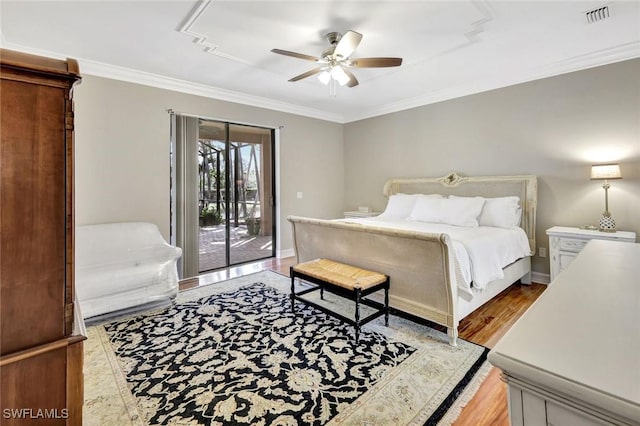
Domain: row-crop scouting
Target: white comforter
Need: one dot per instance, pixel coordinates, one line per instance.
(481, 252)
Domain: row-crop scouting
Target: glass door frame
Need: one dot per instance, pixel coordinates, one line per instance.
(271, 202)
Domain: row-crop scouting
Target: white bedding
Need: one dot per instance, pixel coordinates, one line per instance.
(481, 252)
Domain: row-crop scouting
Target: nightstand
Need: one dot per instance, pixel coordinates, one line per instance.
(357, 213)
(565, 243)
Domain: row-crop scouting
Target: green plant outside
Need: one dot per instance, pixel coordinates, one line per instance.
(210, 216)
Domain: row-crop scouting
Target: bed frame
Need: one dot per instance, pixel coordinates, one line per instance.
(422, 267)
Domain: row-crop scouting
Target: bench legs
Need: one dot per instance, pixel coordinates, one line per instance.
(357, 317)
(386, 304)
(292, 296)
(355, 295)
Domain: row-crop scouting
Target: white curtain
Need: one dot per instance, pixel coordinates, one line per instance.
(184, 130)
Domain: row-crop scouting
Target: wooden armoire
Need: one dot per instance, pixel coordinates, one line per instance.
(41, 335)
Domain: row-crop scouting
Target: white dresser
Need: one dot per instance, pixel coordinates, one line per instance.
(565, 243)
(574, 357)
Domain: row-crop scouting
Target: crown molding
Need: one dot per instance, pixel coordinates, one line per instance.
(100, 69)
(601, 57)
(168, 83)
(597, 58)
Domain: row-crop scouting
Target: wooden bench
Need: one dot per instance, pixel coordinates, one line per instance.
(346, 281)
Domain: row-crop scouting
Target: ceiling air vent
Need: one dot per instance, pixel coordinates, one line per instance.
(597, 15)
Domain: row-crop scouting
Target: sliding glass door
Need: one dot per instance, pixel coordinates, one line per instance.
(229, 171)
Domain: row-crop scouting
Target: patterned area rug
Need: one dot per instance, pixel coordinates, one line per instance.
(234, 353)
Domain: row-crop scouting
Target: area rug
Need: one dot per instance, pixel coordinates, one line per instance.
(233, 353)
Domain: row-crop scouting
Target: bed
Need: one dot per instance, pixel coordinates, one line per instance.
(429, 278)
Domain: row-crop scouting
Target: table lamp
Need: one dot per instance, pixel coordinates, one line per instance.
(606, 172)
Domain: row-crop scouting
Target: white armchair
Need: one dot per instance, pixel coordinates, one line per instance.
(122, 265)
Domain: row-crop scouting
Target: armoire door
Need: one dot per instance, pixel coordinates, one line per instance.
(41, 351)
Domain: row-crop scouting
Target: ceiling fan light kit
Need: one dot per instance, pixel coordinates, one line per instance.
(335, 60)
(324, 77)
(334, 73)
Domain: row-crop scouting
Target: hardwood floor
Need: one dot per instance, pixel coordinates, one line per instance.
(485, 327)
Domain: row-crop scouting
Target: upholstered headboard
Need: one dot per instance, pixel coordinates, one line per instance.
(525, 187)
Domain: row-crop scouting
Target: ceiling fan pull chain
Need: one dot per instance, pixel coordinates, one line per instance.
(333, 88)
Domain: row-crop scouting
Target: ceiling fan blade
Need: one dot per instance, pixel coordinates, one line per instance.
(295, 55)
(353, 81)
(306, 74)
(347, 44)
(375, 62)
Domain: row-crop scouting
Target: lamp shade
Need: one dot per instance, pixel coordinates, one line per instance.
(605, 171)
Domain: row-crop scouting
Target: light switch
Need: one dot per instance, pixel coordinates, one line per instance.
(299, 195)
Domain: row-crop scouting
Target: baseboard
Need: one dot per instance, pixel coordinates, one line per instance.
(540, 278)
(285, 253)
(112, 316)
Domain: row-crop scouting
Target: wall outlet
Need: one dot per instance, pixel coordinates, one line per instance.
(542, 252)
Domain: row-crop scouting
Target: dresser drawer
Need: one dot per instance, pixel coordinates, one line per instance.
(558, 415)
(572, 244)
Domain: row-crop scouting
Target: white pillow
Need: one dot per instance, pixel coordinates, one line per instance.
(503, 212)
(401, 205)
(462, 211)
(500, 212)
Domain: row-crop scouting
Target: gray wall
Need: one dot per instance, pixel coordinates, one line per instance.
(122, 154)
(554, 128)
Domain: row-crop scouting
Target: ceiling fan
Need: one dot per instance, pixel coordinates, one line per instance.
(334, 62)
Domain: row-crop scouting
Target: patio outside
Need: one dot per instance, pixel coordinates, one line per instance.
(244, 247)
(233, 184)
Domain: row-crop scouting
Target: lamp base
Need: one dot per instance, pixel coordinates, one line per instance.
(607, 224)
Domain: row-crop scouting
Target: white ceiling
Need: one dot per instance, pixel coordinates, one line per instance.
(222, 48)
